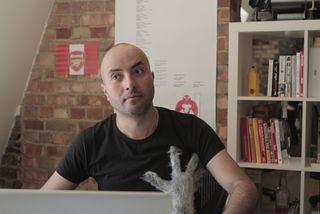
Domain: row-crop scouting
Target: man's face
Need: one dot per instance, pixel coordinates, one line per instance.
(127, 80)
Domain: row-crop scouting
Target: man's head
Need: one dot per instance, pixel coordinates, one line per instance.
(127, 79)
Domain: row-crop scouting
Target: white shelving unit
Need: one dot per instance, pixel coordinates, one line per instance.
(241, 37)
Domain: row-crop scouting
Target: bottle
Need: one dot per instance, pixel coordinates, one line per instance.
(285, 134)
(282, 195)
(253, 82)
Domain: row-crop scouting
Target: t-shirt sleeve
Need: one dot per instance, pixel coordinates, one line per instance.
(73, 165)
(206, 141)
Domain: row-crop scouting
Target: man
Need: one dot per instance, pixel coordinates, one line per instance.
(118, 151)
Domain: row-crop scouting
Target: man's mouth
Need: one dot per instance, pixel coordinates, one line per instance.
(132, 96)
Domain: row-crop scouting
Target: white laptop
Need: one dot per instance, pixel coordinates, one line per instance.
(82, 202)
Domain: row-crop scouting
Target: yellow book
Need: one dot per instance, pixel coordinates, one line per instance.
(256, 139)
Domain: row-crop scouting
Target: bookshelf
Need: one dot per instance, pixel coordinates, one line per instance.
(242, 40)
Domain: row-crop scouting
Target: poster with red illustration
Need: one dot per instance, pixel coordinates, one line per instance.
(77, 59)
(187, 105)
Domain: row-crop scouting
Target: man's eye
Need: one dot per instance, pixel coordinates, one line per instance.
(138, 71)
(115, 77)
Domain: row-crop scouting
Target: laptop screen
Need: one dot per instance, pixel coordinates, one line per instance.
(82, 202)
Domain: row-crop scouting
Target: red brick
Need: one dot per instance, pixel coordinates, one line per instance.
(33, 150)
(62, 139)
(33, 124)
(45, 112)
(108, 111)
(33, 86)
(63, 33)
(27, 161)
(94, 87)
(30, 112)
(77, 113)
(222, 72)
(79, 7)
(95, 6)
(78, 87)
(62, 7)
(34, 99)
(221, 116)
(223, 29)
(45, 138)
(57, 100)
(62, 87)
(56, 151)
(222, 43)
(93, 100)
(31, 136)
(45, 59)
(49, 34)
(224, 3)
(94, 114)
(222, 58)
(36, 74)
(85, 124)
(49, 164)
(223, 15)
(45, 86)
(60, 125)
(98, 32)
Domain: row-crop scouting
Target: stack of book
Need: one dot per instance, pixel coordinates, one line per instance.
(285, 76)
(261, 140)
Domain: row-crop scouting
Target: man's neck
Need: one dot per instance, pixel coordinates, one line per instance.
(138, 127)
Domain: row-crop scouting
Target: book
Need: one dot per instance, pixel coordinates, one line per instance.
(261, 141)
(244, 138)
(273, 144)
(256, 140)
(288, 76)
(297, 93)
(293, 75)
(278, 140)
(314, 73)
(275, 78)
(282, 76)
(301, 73)
(251, 141)
(270, 74)
(267, 141)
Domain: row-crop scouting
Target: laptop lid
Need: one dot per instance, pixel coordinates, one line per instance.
(82, 202)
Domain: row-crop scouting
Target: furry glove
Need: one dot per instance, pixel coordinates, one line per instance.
(183, 184)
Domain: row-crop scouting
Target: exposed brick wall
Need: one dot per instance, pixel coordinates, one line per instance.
(10, 176)
(228, 11)
(56, 108)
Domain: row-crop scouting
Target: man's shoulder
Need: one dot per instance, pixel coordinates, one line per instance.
(99, 126)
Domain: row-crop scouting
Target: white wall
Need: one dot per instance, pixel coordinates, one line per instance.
(22, 23)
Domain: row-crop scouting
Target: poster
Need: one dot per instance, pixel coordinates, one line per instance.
(179, 37)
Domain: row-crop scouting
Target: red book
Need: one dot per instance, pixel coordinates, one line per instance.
(273, 143)
(244, 138)
(261, 141)
(301, 72)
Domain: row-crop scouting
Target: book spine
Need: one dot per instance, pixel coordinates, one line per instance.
(256, 139)
(244, 138)
(270, 73)
(278, 140)
(298, 74)
(294, 74)
(301, 73)
(261, 141)
(282, 76)
(251, 140)
(267, 142)
(273, 144)
(275, 78)
(288, 76)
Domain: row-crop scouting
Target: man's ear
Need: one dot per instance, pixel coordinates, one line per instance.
(104, 89)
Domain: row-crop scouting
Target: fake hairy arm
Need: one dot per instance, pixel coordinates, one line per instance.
(242, 191)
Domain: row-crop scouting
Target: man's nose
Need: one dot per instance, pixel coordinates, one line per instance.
(129, 82)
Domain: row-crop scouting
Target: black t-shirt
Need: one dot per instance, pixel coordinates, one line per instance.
(117, 162)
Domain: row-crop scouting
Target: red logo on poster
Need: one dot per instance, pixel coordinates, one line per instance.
(76, 60)
(187, 105)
